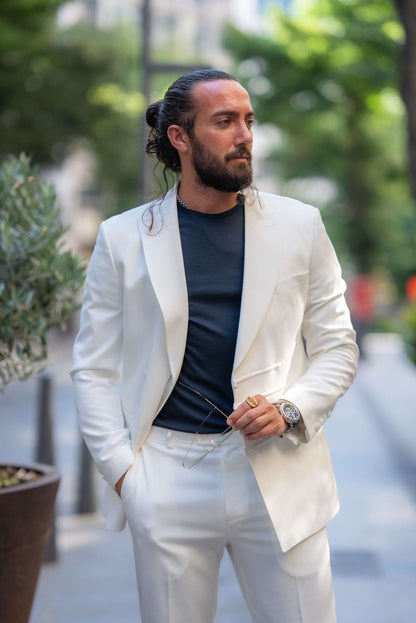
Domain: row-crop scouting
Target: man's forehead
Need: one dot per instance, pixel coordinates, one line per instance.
(221, 94)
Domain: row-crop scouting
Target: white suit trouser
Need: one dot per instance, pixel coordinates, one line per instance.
(181, 520)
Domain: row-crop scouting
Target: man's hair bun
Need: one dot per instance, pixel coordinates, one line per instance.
(152, 114)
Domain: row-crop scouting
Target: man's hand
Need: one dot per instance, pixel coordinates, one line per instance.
(258, 422)
(119, 484)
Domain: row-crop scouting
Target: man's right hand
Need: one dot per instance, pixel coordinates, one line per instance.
(119, 484)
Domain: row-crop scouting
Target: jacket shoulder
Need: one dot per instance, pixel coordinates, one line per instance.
(127, 218)
(280, 206)
(147, 215)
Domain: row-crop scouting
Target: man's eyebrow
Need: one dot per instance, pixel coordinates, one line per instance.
(231, 113)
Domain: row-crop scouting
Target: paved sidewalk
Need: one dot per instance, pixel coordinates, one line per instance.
(373, 539)
(372, 436)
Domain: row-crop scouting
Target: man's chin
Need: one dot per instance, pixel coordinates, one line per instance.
(242, 173)
(240, 164)
(240, 177)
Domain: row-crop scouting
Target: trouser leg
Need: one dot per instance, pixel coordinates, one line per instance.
(291, 587)
(177, 524)
(176, 584)
(295, 587)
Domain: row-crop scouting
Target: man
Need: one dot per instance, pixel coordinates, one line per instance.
(214, 343)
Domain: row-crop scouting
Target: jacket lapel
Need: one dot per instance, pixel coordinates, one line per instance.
(261, 263)
(163, 255)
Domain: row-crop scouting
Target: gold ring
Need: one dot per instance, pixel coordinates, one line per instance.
(251, 401)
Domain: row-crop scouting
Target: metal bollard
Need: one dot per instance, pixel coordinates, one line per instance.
(86, 493)
(45, 449)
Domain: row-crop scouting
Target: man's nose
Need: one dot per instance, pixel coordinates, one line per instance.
(244, 134)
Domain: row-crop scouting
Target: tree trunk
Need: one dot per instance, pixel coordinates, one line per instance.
(407, 13)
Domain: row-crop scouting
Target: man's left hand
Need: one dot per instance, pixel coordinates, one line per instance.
(258, 422)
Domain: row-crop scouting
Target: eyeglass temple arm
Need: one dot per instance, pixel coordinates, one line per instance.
(203, 397)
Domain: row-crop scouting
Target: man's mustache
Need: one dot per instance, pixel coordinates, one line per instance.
(238, 153)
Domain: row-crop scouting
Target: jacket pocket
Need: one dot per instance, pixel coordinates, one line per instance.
(266, 381)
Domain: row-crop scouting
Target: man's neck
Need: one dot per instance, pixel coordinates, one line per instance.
(203, 199)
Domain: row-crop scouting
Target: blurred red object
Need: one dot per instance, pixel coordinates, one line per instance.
(361, 298)
(411, 288)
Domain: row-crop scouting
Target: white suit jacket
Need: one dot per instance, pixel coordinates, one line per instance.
(130, 346)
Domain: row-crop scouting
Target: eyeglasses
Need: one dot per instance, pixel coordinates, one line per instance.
(220, 439)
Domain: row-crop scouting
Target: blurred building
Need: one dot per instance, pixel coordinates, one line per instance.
(188, 27)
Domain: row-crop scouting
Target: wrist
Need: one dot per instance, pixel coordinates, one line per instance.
(289, 412)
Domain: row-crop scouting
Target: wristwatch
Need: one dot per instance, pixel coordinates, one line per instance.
(289, 412)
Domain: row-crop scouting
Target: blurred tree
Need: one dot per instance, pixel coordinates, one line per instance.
(407, 13)
(60, 87)
(327, 77)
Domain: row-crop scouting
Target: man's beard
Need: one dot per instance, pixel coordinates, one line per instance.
(213, 173)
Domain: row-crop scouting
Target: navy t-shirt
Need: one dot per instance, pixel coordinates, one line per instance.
(213, 253)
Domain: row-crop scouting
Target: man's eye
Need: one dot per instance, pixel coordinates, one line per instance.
(250, 123)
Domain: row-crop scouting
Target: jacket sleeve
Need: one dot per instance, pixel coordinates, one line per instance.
(96, 365)
(329, 338)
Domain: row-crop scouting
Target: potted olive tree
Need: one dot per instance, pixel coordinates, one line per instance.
(39, 281)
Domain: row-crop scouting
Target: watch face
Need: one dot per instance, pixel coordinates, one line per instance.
(291, 413)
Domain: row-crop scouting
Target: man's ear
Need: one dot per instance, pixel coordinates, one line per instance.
(179, 138)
